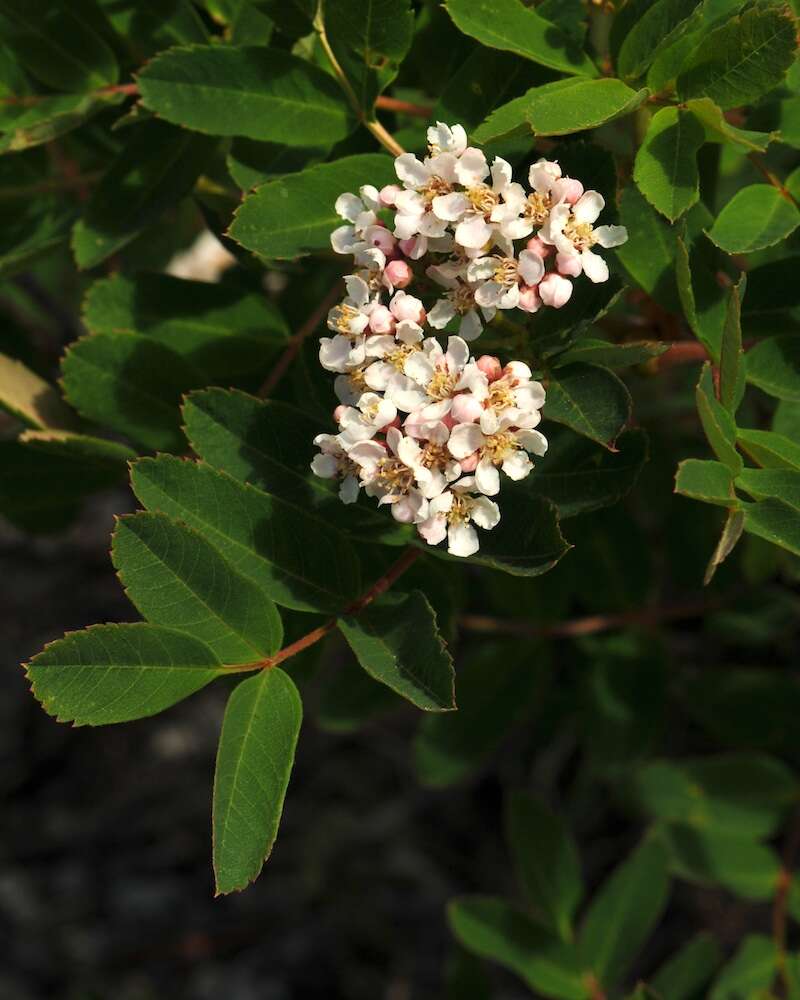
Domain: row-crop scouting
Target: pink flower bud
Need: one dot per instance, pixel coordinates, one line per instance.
(537, 246)
(381, 320)
(569, 189)
(380, 237)
(407, 307)
(388, 194)
(466, 409)
(490, 366)
(568, 264)
(339, 412)
(398, 273)
(555, 290)
(470, 463)
(529, 300)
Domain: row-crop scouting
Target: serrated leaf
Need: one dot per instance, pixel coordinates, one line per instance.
(450, 746)
(155, 169)
(251, 163)
(396, 640)
(370, 39)
(508, 25)
(684, 975)
(623, 913)
(296, 558)
(742, 59)
(728, 540)
(248, 91)
(718, 424)
(757, 216)
(773, 365)
(711, 482)
(131, 384)
(224, 330)
(761, 484)
(61, 44)
(578, 476)
(115, 673)
(254, 761)
(494, 929)
(666, 162)
(739, 792)
(294, 215)
(731, 361)
(654, 28)
(719, 129)
(769, 449)
(590, 400)
(752, 968)
(27, 123)
(26, 396)
(546, 860)
(176, 578)
(775, 521)
(593, 351)
(82, 448)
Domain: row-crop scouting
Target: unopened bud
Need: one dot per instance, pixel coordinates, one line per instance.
(490, 366)
(554, 290)
(398, 273)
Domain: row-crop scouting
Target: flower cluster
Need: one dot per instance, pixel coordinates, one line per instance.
(425, 430)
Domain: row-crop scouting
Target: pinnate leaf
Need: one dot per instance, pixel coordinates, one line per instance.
(249, 91)
(397, 641)
(115, 673)
(254, 761)
(176, 578)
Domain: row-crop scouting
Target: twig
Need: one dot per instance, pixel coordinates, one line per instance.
(380, 133)
(380, 586)
(590, 625)
(403, 107)
(780, 905)
(296, 341)
(772, 178)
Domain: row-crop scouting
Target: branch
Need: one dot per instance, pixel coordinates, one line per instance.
(772, 178)
(403, 107)
(296, 341)
(380, 586)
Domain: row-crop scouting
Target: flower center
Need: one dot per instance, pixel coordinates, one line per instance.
(394, 475)
(357, 380)
(506, 272)
(482, 198)
(580, 233)
(341, 317)
(442, 384)
(460, 510)
(462, 297)
(501, 395)
(435, 187)
(435, 456)
(537, 207)
(399, 356)
(347, 467)
(497, 447)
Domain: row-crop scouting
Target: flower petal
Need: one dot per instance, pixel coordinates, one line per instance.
(450, 206)
(464, 439)
(462, 540)
(611, 236)
(588, 206)
(594, 267)
(487, 477)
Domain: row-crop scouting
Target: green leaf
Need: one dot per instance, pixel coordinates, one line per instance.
(742, 59)
(718, 424)
(254, 762)
(771, 289)
(743, 793)
(176, 578)
(251, 163)
(249, 91)
(593, 351)
(396, 640)
(702, 298)
(684, 975)
(719, 129)
(92, 452)
(775, 521)
(223, 330)
(666, 162)
(28, 398)
(508, 25)
(150, 25)
(296, 558)
(731, 363)
(370, 40)
(562, 107)
(294, 215)
(711, 482)
(648, 256)
(653, 29)
(546, 860)
(761, 484)
(769, 449)
(713, 858)
(590, 400)
(497, 930)
(757, 216)
(623, 913)
(450, 746)
(115, 673)
(752, 968)
(560, 329)
(773, 365)
(578, 476)
(33, 233)
(153, 171)
(61, 44)
(31, 122)
(728, 540)
(782, 118)
(131, 384)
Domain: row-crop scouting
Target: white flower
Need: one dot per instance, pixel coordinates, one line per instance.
(474, 209)
(514, 400)
(501, 445)
(397, 475)
(423, 181)
(333, 462)
(458, 300)
(437, 377)
(498, 278)
(444, 139)
(451, 514)
(571, 231)
(360, 212)
(361, 422)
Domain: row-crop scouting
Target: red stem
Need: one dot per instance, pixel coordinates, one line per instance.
(403, 107)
